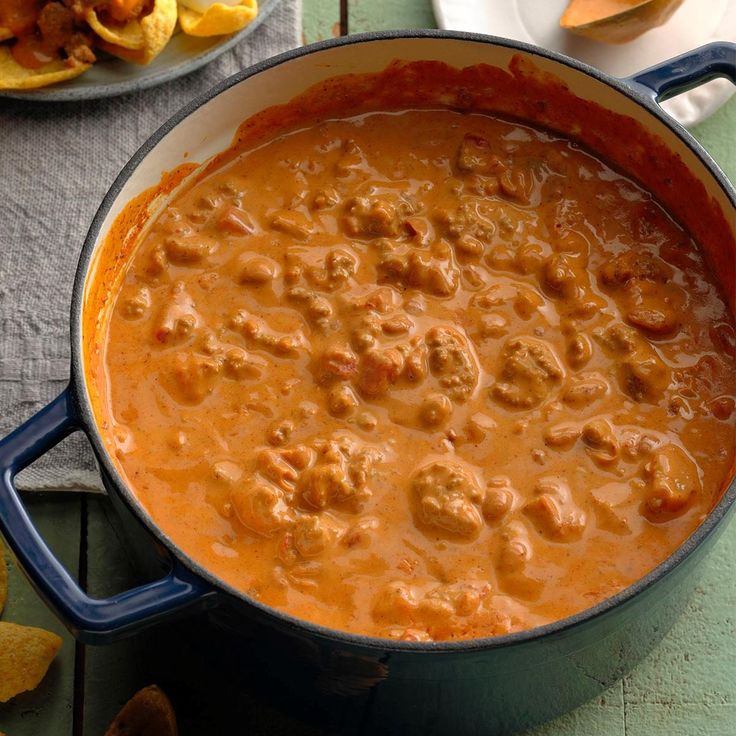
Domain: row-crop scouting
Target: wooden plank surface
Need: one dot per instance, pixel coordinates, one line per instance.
(321, 19)
(686, 688)
(384, 15)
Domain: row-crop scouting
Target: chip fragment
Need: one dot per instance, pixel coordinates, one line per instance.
(147, 713)
(219, 19)
(15, 76)
(25, 656)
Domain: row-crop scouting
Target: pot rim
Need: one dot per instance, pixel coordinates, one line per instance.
(89, 425)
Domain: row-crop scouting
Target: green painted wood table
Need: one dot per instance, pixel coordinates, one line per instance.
(687, 687)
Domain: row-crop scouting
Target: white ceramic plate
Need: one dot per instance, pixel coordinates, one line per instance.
(110, 76)
(695, 23)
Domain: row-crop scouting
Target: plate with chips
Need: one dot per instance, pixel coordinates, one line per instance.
(114, 46)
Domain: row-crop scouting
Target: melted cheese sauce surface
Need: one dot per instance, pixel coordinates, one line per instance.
(421, 375)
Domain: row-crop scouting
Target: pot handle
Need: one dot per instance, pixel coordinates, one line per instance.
(686, 71)
(90, 619)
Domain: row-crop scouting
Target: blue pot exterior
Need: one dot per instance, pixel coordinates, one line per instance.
(492, 686)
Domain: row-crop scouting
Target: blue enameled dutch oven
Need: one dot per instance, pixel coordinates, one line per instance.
(488, 686)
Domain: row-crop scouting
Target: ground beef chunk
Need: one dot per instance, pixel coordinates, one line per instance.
(529, 373)
(513, 552)
(633, 265)
(178, 319)
(657, 319)
(378, 370)
(452, 362)
(371, 217)
(446, 496)
(601, 441)
(313, 534)
(282, 467)
(418, 270)
(260, 507)
(584, 389)
(338, 268)
(498, 498)
(256, 270)
(192, 377)
(259, 335)
(648, 297)
(123, 11)
(187, 250)
(672, 483)
(337, 363)
(339, 477)
(428, 605)
(475, 155)
(435, 410)
(56, 24)
(554, 512)
(79, 49)
(641, 373)
(137, 304)
(562, 436)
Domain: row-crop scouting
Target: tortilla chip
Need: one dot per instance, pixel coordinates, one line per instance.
(25, 656)
(147, 713)
(5, 33)
(3, 579)
(157, 28)
(218, 19)
(128, 36)
(15, 76)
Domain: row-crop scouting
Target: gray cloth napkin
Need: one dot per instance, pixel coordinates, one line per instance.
(57, 160)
